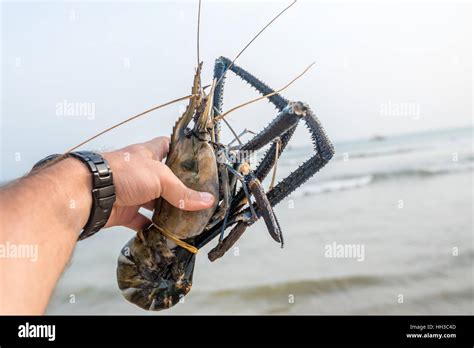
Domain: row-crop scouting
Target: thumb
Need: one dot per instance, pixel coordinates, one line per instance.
(179, 195)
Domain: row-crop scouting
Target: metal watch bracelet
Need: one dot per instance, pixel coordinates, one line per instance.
(103, 189)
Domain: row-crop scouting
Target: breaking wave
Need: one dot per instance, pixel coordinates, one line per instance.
(356, 181)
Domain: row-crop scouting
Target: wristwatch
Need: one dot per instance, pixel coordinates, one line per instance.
(103, 189)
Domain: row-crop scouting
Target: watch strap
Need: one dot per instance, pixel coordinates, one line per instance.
(103, 191)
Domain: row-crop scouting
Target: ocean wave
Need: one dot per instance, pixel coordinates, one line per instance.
(301, 287)
(349, 182)
(424, 172)
(330, 285)
(337, 185)
(378, 153)
(341, 155)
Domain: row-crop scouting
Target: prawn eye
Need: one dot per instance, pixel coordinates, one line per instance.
(190, 164)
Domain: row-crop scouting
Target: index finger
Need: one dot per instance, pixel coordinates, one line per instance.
(158, 146)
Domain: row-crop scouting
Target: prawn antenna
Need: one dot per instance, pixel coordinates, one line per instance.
(192, 95)
(128, 120)
(198, 27)
(254, 38)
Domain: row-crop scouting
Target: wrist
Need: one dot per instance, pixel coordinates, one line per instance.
(101, 187)
(71, 181)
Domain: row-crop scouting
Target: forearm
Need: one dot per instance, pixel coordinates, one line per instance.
(45, 212)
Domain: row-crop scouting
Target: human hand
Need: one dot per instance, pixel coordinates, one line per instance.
(140, 177)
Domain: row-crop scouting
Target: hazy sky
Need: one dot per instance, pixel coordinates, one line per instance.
(381, 68)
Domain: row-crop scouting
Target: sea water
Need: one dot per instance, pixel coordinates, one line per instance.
(405, 201)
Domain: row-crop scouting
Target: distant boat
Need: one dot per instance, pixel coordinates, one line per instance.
(378, 137)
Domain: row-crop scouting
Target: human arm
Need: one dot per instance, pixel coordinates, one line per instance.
(48, 208)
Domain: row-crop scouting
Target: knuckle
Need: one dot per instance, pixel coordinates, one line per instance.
(164, 139)
(184, 201)
(162, 146)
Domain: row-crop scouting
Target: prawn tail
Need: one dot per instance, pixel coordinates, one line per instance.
(150, 274)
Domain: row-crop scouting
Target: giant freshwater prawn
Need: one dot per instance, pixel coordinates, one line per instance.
(155, 268)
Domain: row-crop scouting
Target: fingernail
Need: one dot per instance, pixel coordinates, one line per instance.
(206, 197)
